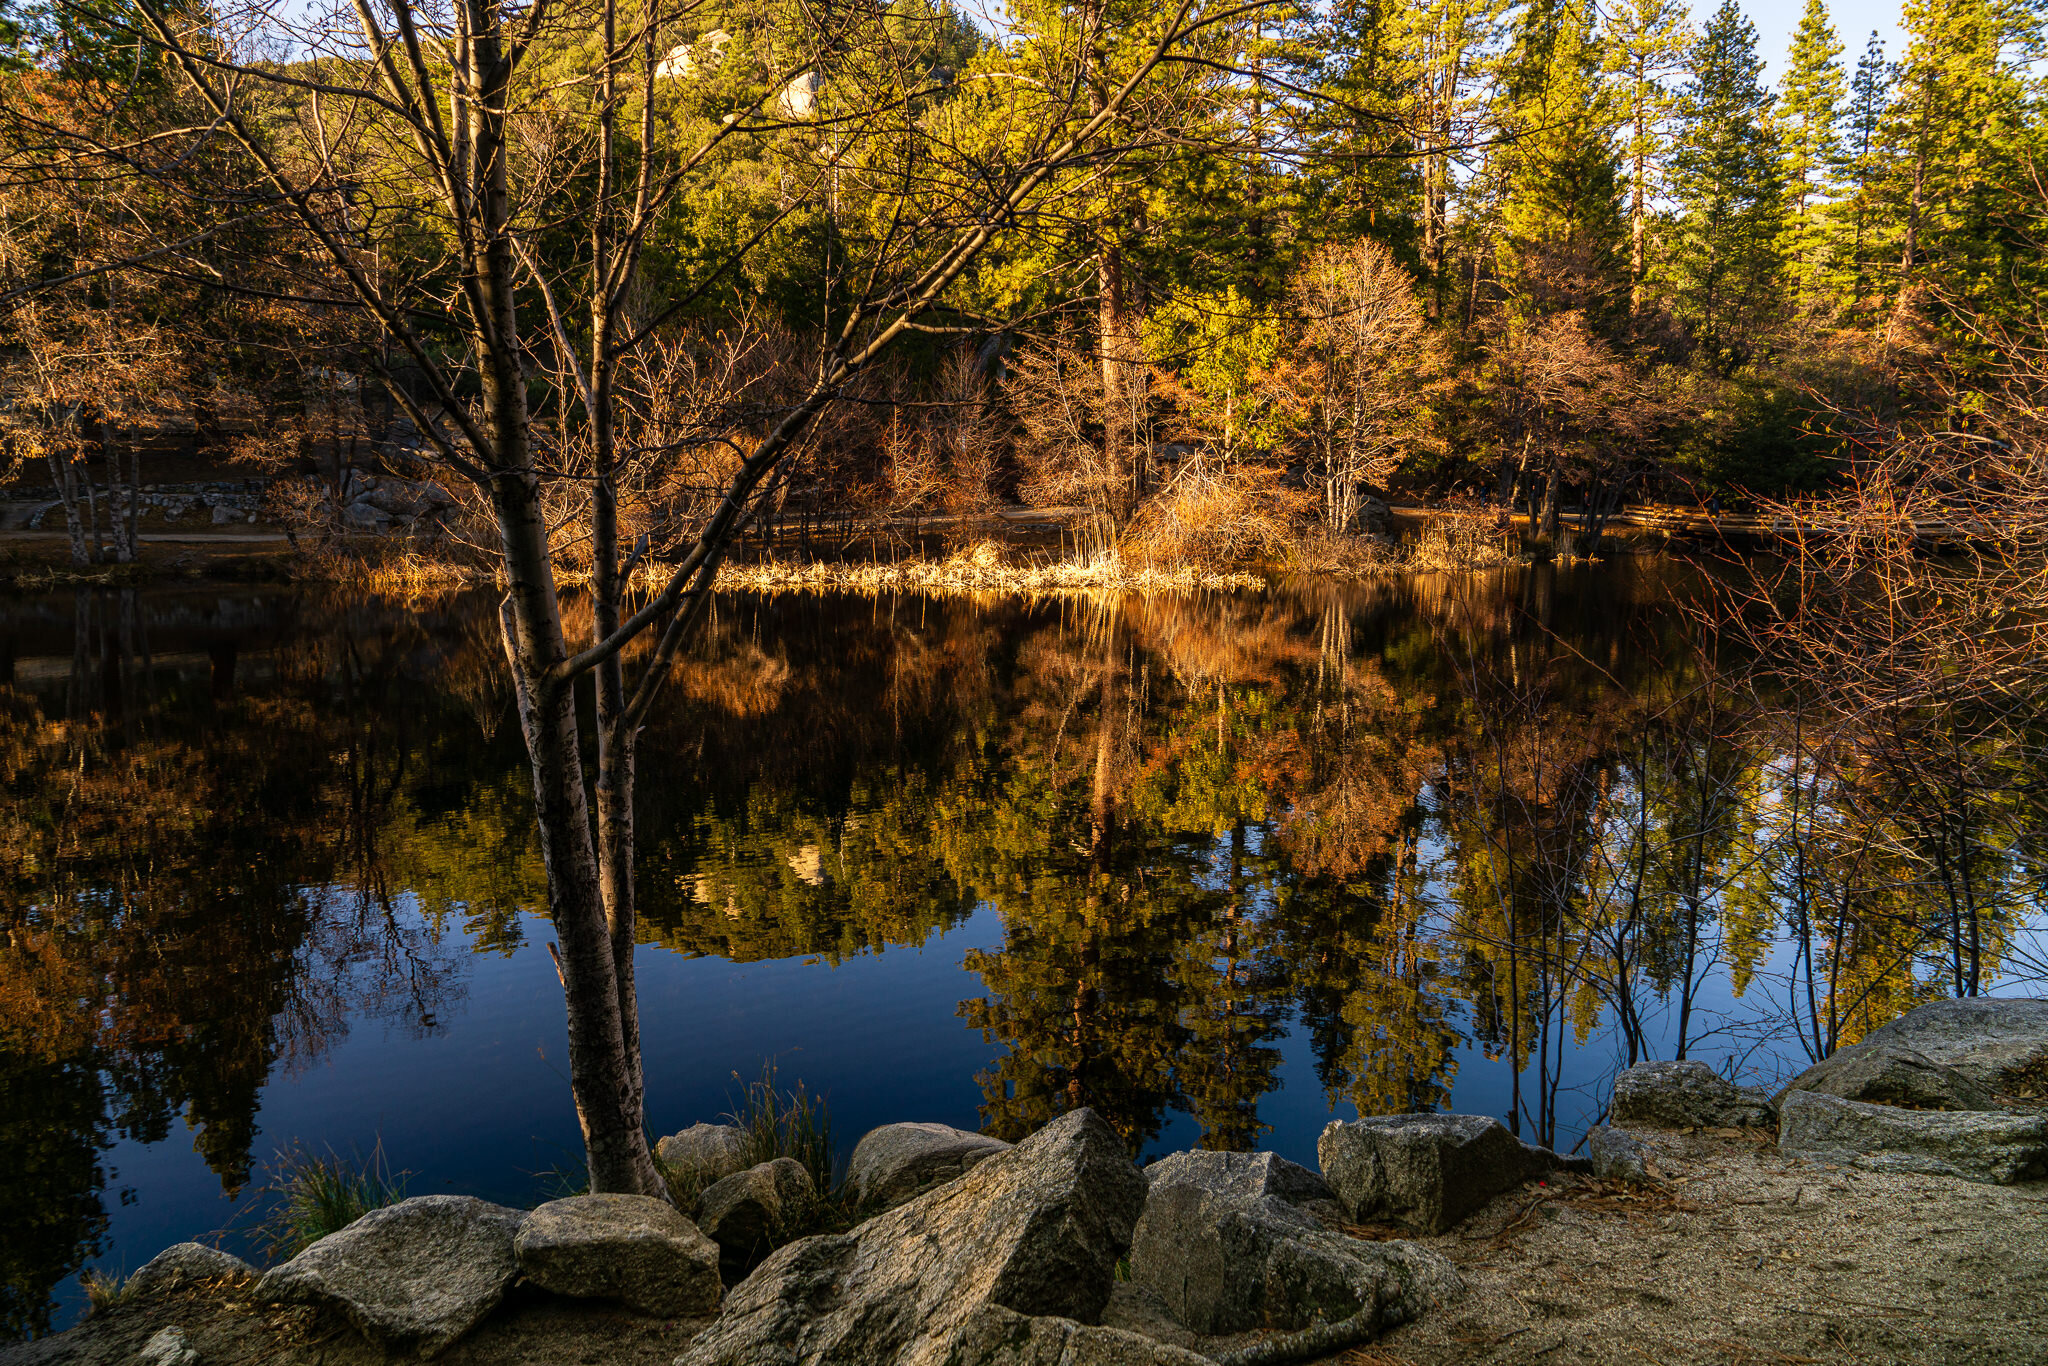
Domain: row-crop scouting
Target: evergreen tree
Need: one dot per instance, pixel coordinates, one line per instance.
(1960, 144)
(1810, 107)
(1869, 90)
(1646, 45)
(1445, 47)
(1725, 269)
(1363, 176)
(1555, 180)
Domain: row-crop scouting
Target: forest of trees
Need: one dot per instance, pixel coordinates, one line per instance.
(1533, 252)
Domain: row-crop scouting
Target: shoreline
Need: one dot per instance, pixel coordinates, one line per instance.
(1889, 1204)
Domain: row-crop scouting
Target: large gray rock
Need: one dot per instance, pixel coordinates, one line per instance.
(750, 1213)
(183, 1264)
(1996, 1149)
(412, 1277)
(1243, 1176)
(1037, 1230)
(1617, 1155)
(1225, 1262)
(995, 1336)
(1426, 1172)
(1885, 1073)
(899, 1162)
(631, 1248)
(1991, 1040)
(1685, 1095)
(704, 1153)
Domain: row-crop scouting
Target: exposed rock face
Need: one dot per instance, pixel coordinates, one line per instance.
(1037, 1230)
(1990, 1040)
(995, 1336)
(183, 1264)
(1885, 1073)
(1224, 1261)
(632, 1248)
(899, 1162)
(1426, 1172)
(710, 1152)
(1242, 1176)
(168, 1348)
(412, 1277)
(1997, 1149)
(752, 1212)
(1685, 1095)
(1617, 1155)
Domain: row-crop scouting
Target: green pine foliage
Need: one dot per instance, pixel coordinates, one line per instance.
(1726, 270)
(1809, 115)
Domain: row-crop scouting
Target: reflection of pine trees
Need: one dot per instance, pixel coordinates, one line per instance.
(1398, 818)
(223, 871)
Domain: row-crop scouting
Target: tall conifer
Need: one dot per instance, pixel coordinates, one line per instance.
(1646, 44)
(1809, 110)
(1725, 270)
(1556, 181)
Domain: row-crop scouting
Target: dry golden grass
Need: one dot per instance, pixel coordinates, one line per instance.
(979, 569)
(1458, 544)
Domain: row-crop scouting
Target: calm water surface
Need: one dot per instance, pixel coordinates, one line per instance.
(1221, 868)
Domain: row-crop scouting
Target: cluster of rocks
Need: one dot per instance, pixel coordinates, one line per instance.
(1059, 1251)
(383, 502)
(1951, 1088)
(219, 502)
(973, 1252)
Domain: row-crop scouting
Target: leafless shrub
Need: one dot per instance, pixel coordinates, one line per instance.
(1362, 374)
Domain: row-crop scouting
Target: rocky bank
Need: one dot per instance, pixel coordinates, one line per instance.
(1890, 1204)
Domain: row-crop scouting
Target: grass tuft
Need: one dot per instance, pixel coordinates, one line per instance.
(317, 1194)
(775, 1123)
(105, 1291)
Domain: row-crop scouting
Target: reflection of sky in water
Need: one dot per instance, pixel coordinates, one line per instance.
(480, 1105)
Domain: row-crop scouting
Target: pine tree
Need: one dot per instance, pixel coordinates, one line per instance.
(1446, 47)
(1869, 91)
(1725, 269)
(1556, 182)
(1960, 144)
(1364, 176)
(1646, 44)
(1810, 107)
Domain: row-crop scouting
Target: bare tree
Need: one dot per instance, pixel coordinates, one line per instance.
(1366, 367)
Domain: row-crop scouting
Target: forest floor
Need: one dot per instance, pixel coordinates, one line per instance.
(1740, 1258)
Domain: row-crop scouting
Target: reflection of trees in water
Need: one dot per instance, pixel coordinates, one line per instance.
(1403, 816)
(1396, 818)
(202, 883)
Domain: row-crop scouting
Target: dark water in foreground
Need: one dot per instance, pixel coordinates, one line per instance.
(1220, 868)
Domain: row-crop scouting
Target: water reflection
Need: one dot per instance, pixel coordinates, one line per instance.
(1526, 827)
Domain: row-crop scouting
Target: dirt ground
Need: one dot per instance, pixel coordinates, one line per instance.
(1740, 1258)
(1743, 1257)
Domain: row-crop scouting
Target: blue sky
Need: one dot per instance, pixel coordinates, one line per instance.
(1775, 21)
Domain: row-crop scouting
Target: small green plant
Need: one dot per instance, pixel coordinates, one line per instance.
(775, 1123)
(315, 1195)
(103, 1290)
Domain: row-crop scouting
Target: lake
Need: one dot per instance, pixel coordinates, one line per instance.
(1222, 867)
